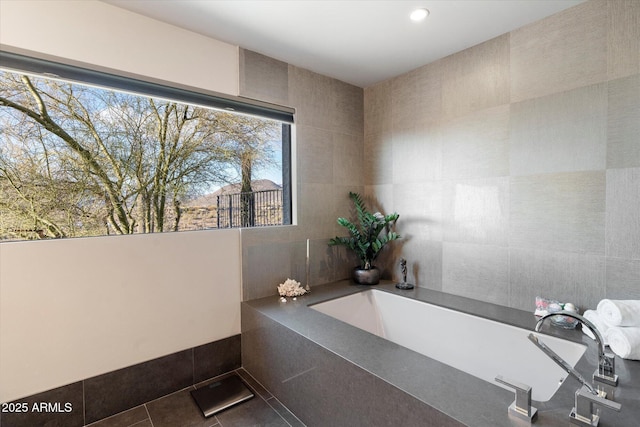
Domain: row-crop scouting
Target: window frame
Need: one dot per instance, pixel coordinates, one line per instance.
(52, 69)
(137, 85)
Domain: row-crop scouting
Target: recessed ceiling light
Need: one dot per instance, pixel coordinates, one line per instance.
(419, 14)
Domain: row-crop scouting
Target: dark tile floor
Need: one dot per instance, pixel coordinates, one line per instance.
(179, 410)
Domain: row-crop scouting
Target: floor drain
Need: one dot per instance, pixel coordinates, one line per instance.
(220, 395)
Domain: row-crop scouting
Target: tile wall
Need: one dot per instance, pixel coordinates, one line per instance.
(329, 142)
(515, 164)
(104, 395)
(322, 388)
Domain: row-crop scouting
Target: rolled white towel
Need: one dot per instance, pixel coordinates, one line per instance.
(625, 342)
(620, 312)
(602, 326)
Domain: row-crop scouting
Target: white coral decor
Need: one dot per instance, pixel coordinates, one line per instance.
(291, 288)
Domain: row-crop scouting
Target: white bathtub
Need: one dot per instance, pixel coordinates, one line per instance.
(477, 346)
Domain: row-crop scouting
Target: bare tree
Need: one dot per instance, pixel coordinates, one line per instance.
(125, 161)
(250, 145)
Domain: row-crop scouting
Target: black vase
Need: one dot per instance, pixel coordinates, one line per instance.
(366, 277)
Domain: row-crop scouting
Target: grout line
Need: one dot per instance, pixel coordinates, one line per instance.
(217, 423)
(148, 414)
(276, 411)
(289, 412)
(193, 365)
(298, 374)
(271, 396)
(250, 377)
(84, 406)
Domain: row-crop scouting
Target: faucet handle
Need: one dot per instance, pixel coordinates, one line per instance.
(582, 414)
(606, 372)
(521, 407)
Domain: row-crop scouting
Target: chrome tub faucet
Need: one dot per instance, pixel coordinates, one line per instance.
(583, 413)
(606, 372)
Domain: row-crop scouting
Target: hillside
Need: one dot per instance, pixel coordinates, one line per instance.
(210, 199)
(202, 212)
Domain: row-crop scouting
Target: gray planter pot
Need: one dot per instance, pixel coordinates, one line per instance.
(366, 277)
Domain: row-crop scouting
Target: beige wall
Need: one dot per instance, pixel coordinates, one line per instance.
(515, 164)
(75, 308)
(103, 36)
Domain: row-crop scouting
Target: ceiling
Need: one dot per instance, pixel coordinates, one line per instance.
(356, 41)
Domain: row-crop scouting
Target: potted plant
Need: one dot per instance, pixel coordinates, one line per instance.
(366, 239)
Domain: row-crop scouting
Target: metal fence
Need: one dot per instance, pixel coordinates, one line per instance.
(254, 209)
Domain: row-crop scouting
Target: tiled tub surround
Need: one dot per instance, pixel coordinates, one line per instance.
(515, 164)
(104, 395)
(472, 344)
(331, 373)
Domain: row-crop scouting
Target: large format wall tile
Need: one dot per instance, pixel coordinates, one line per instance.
(476, 271)
(378, 159)
(348, 152)
(424, 261)
(123, 389)
(348, 114)
(377, 108)
(623, 278)
(623, 213)
(316, 166)
(311, 94)
(264, 78)
(558, 212)
(429, 105)
(264, 266)
(623, 123)
(216, 358)
(564, 51)
(326, 264)
(476, 78)
(416, 155)
(563, 132)
(404, 98)
(380, 197)
(416, 97)
(623, 38)
(420, 209)
(477, 211)
(563, 276)
(420, 228)
(317, 208)
(476, 145)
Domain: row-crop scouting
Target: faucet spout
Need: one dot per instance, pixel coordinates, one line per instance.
(596, 333)
(606, 361)
(560, 361)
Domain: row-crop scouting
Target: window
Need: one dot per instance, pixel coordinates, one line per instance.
(84, 153)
